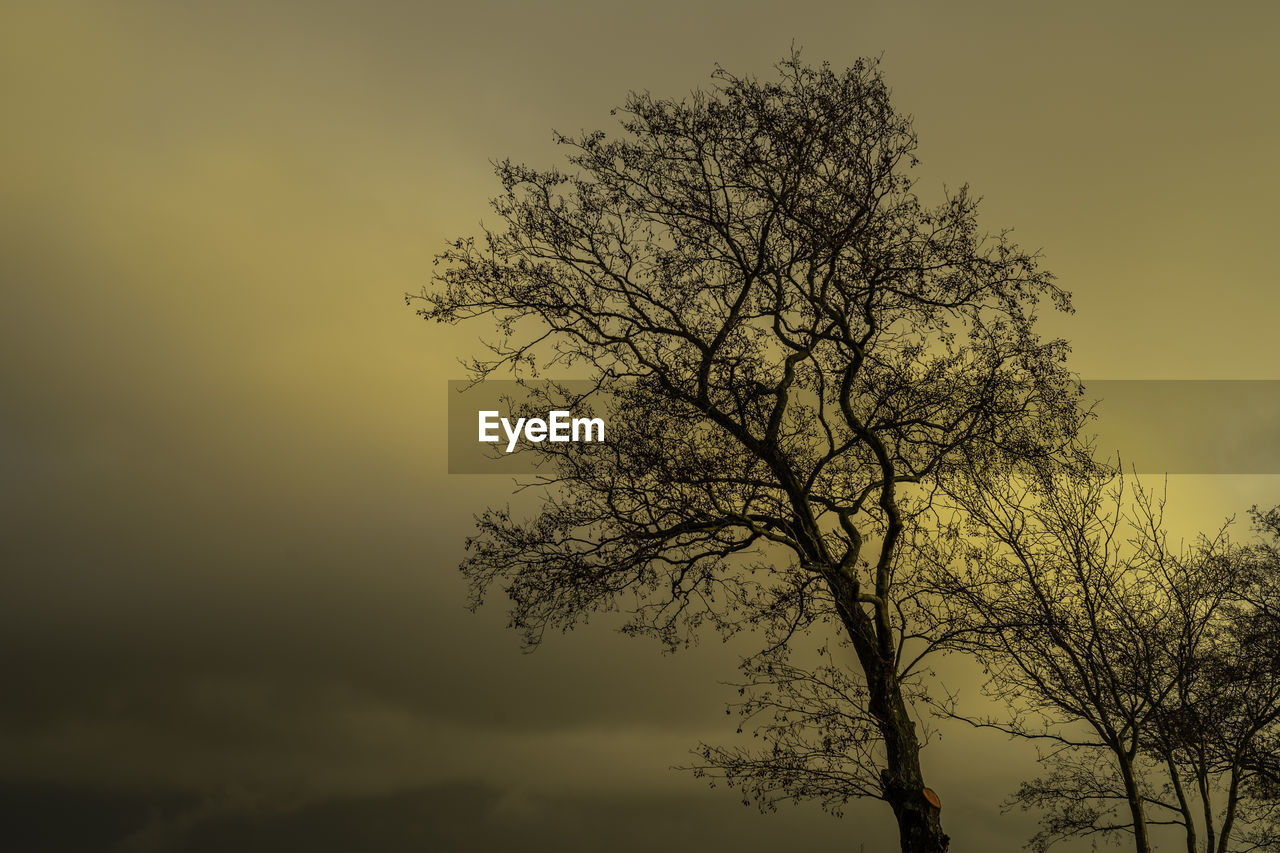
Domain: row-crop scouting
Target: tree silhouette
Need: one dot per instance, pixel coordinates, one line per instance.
(792, 352)
(1151, 674)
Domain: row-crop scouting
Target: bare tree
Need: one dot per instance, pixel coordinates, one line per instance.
(1052, 577)
(1221, 729)
(792, 351)
(1150, 673)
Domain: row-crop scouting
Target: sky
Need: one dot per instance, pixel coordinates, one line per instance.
(230, 615)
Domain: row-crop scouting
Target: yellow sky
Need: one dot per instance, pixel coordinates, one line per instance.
(230, 538)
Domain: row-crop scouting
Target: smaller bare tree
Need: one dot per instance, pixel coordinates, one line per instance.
(1103, 641)
(1220, 730)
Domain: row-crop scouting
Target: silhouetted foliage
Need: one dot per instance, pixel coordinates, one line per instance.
(792, 352)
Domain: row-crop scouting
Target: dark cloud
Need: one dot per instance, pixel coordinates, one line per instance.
(455, 818)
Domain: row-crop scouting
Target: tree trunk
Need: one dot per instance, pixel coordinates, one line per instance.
(1136, 809)
(1183, 805)
(1233, 799)
(919, 821)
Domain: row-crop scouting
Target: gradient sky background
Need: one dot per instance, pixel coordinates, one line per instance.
(229, 612)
